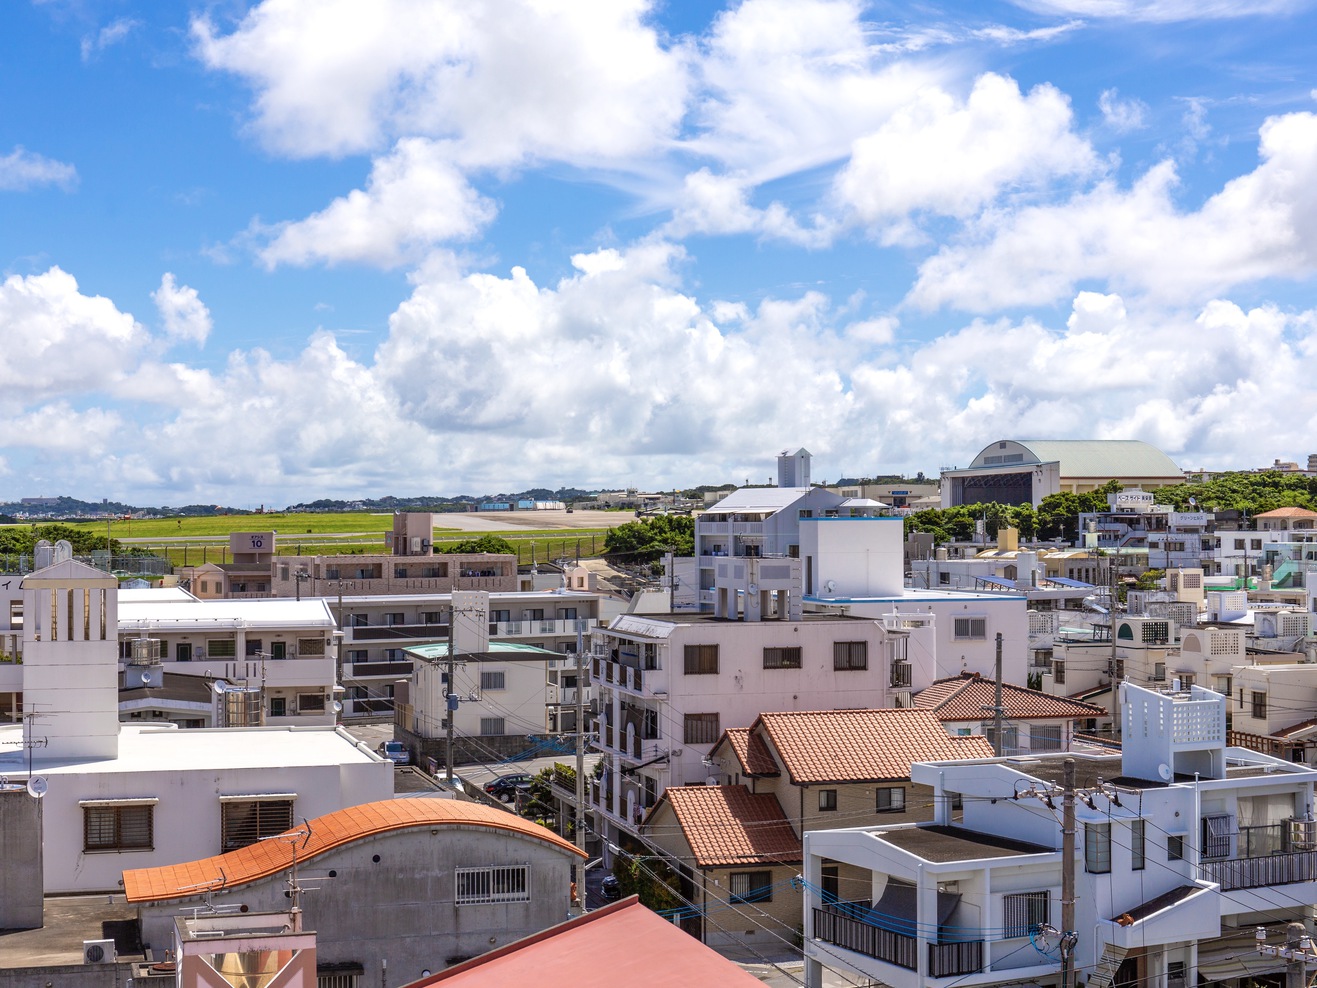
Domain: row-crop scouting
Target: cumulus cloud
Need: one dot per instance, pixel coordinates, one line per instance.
(1120, 115)
(937, 156)
(1260, 225)
(59, 341)
(720, 204)
(21, 169)
(182, 313)
(336, 77)
(414, 198)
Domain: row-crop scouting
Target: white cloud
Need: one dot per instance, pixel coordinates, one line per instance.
(952, 159)
(111, 34)
(21, 169)
(336, 77)
(59, 341)
(61, 428)
(1260, 225)
(184, 315)
(414, 198)
(1121, 115)
(720, 204)
(1162, 10)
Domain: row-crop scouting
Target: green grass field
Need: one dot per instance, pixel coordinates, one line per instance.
(189, 541)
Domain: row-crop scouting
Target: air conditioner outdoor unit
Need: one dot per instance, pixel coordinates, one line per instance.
(98, 952)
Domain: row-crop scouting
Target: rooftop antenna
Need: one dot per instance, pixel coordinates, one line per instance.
(295, 888)
(208, 890)
(29, 740)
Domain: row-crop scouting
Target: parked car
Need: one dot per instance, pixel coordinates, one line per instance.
(396, 752)
(506, 787)
(610, 889)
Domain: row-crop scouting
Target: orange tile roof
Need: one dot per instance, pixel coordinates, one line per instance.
(730, 825)
(750, 751)
(1290, 512)
(269, 857)
(963, 697)
(623, 943)
(861, 745)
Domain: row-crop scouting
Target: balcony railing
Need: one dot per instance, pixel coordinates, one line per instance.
(1251, 873)
(865, 938)
(946, 960)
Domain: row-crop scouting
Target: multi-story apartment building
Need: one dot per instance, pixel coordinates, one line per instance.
(378, 629)
(669, 686)
(1184, 848)
(282, 648)
(1133, 520)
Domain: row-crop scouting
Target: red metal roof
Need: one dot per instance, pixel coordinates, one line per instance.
(623, 944)
(861, 745)
(269, 857)
(730, 825)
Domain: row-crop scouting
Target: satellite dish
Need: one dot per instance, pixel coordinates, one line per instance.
(37, 786)
(337, 707)
(711, 780)
(753, 588)
(1164, 771)
(146, 679)
(830, 586)
(218, 687)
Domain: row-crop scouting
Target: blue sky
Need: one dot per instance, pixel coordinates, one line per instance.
(260, 253)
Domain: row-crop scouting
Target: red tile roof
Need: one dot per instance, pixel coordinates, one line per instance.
(269, 857)
(750, 751)
(730, 825)
(622, 944)
(861, 745)
(963, 697)
(1287, 513)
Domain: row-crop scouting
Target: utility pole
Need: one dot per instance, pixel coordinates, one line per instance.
(1296, 968)
(580, 757)
(451, 699)
(998, 726)
(672, 583)
(1067, 871)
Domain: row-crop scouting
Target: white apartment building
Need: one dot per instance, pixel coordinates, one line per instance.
(379, 629)
(1184, 848)
(1133, 520)
(282, 648)
(669, 686)
(122, 796)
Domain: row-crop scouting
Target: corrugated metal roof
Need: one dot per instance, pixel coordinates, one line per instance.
(1092, 457)
(269, 857)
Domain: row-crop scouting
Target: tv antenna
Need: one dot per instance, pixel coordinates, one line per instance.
(29, 740)
(297, 839)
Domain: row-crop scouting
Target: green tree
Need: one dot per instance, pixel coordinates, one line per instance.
(647, 540)
(486, 543)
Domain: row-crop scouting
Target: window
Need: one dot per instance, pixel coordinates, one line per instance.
(254, 646)
(310, 703)
(1255, 544)
(500, 883)
(1239, 543)
(492, 726)
(1045, 737)
(1025, 912)
(1058, 671)
(246, 820)
(701, 660)
(358, 620)
(827, 800)
(500, 617)
(1259, 705)
(787, 657)
(970, 627)
(1174, 847)
(431, 617)
(400, 572)
(850, 655)
(221, 648)
(1138, 845)
(700, 729)
(750, 886)
(889, 799)
(395, 617)
(119, 826)
(1097, 848)
(901, 676)
(493, 680)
